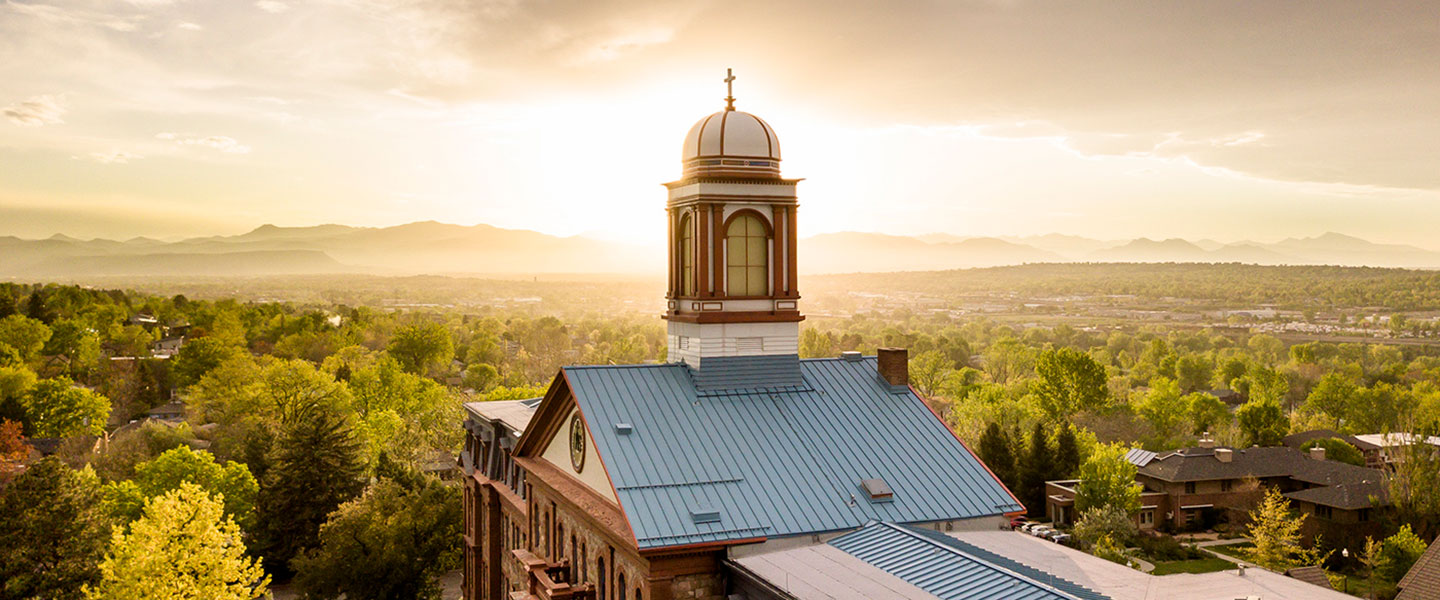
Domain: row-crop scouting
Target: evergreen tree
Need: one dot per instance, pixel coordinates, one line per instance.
(995, 452)
(1034, 469)
(1067, 454)
(314, 468)
(53, 532)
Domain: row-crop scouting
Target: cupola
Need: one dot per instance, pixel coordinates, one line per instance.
(731, 143)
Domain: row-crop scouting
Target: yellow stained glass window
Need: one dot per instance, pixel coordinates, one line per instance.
(746, 258)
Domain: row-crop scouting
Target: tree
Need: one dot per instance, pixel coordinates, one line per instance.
(199, 356)
(928, 370)
(1107, 479)
(74, 341)
(52, 532)
(1069, 381)
(1337, 450)
(1398, 553)
(481, 377)
(1275, 530)
(315, 468)
(390, 544)
(1105, 521)
(231, 482)
(996, 453)
(56, 408)
(1205, 412)
(403, 414)
(1164, 408)
(1192, 372)
(13, 449)
(182, 548)
(1067, 454)
(1008, 359)
(27, 336)
(1262, 422)
(1331, 396)
(1414, 484)
(15, 386)
(1034, 468)
(419, 347)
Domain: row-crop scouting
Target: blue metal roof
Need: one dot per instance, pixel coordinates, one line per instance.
(952, 569)
(775, 461)
(739, 372)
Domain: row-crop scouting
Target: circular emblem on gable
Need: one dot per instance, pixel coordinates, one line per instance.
(577, 443)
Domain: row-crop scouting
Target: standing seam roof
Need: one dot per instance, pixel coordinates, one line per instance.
(775, 461)
(951, 569)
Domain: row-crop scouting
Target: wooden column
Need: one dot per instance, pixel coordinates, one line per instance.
(717, 221)
(702, 258)
(790, 254)
(777, 254)
(671, 259)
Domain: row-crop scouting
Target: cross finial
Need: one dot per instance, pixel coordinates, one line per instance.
(729, 89)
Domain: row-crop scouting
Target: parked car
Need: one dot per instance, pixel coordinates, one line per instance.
(1018, 522)
(1061, 538)
(1040, 531)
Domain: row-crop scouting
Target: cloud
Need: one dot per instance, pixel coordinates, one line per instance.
(114, 157)
(222, 143)
(36, 111)
(188, 26)
(273, 7)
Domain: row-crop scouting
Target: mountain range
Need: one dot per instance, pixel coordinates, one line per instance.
(438, 248)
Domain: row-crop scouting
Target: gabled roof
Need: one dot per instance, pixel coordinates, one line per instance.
(698, 466)
(951, 569)
(1312, 575)
(1347, 496)
(515, 414)
(1201, 464)
(1422, 582)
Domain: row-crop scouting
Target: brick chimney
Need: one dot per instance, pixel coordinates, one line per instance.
(1206, 441)
(1317, 453)
(1224, 455)
(894, 365)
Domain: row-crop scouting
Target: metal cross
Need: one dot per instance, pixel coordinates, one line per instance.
(729, 90)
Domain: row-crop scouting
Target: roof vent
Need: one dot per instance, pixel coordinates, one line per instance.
(624, 428)
(1317, 453)
(850, 355)
(705, 515)
(878, 490)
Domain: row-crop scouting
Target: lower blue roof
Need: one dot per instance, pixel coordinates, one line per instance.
(954, 570)
(775, 461)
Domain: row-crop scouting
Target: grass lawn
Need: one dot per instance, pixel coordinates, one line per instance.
(1199, 565)
(1239, 550)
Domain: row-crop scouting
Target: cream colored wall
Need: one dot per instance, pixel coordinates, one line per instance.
(557, 451)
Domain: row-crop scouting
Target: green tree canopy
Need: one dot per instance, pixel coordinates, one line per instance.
(1164, 408)
(1338, 450)
(1069, 381)
(996, 452)
(27, 336)
(199, 356)
(419, 347)
(1107, 479)
(1331, 396)
(1205, 412)
(315, 467)
(390, 544)
(230, 481)
(53, 532)
(1275, 530)
(1398, 553)
(1262, 422)
(182, 548)
(56, 408)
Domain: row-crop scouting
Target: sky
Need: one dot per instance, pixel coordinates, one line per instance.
(1226, 120)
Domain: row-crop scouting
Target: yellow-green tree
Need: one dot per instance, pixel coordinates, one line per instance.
(1107, 479)
(1276, 533)
(183, 548)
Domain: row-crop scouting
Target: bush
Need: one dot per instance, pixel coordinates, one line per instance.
(1166, 548)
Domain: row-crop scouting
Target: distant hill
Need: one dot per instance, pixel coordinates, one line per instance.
(430, 247)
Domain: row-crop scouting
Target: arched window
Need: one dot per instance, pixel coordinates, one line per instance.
(746, 258)
(620, 584)
(685, 252)
(600, 578)
(584, 560)
(575, 567)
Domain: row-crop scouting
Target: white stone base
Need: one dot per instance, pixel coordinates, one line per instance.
(690, 342)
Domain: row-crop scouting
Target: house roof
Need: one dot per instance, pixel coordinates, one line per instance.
(1296, 440)
(1422, 582)
(733, 464)
(1347, 496)
(515, 414)
(1312, 575)
(951, 569)
(1201, 464)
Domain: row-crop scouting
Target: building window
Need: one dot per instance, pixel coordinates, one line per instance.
(620, 585)
(746, 257)
(1147, 517)
(1363, 515)
(1227, 485)
(600, 578)
(1324, 512)
(1189, 487)
(686, 253)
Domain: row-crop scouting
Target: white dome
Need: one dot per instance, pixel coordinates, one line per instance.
(731, 133)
